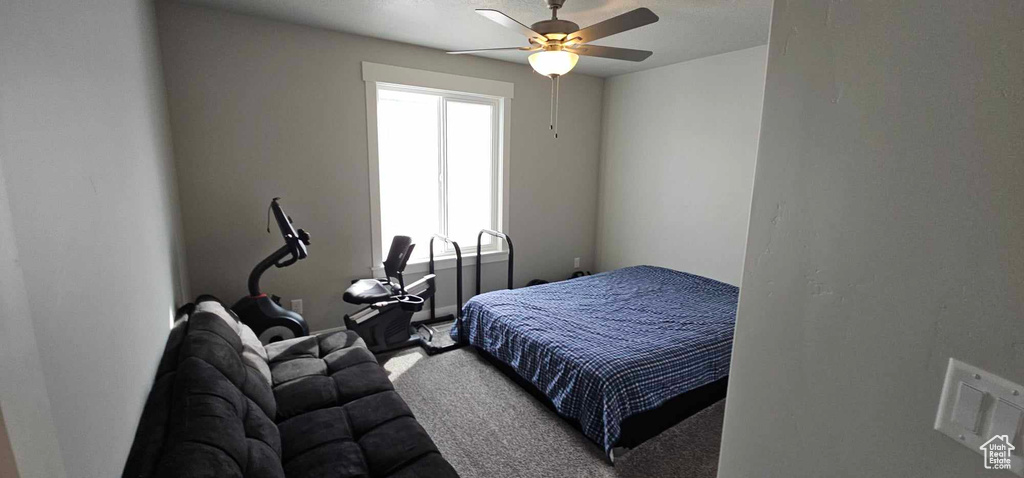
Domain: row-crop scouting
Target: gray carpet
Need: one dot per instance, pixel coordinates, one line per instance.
(487, 426)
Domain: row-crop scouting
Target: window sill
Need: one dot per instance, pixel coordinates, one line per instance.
(420, 266)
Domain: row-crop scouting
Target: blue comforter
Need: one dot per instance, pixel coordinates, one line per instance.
(611, 345)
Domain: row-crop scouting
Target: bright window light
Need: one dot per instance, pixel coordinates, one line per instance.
(408, 141)
(470, 148)
(438, 166)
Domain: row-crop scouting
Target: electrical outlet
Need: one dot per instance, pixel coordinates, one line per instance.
(576, 262)
(297, 306)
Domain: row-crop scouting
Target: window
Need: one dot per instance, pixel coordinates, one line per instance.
(437, 162)
(437, 159)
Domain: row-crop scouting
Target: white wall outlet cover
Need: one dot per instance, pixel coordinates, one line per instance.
(296, 306)
(576, 262)
(984, 413)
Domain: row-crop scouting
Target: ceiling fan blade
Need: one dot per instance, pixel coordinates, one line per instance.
(509, 22)
(612, 52)
(627, 21)
(484, 50)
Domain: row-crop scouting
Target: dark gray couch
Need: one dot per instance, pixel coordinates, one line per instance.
(223, 405)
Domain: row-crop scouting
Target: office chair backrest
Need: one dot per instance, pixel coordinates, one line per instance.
(398, 256)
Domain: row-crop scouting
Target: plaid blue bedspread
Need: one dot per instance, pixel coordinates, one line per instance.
(611, 345)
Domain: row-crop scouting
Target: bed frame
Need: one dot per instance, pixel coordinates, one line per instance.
(640, 427)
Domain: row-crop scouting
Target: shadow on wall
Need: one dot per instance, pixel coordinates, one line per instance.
(7, 465)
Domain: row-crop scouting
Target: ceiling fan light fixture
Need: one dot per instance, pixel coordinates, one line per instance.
(553, 62)
(562, 42)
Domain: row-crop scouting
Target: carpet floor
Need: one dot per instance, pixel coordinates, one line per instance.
(487, 426)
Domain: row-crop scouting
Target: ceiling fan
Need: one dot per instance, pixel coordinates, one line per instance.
(558, 43)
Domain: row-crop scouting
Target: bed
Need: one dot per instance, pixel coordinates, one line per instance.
(621, 354)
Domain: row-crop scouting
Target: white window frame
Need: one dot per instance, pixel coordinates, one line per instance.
(459, 88)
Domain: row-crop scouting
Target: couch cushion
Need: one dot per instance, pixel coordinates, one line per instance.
(339, 415)
(222, 409)
(374, 436)
(216, 430)
(213, 409)
(213, 340)
(310, 373)
(253, 353)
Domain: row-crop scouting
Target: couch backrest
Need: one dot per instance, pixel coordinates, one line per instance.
(149, 436)
(211, 411)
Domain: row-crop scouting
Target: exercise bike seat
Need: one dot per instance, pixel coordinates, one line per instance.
(366, 291)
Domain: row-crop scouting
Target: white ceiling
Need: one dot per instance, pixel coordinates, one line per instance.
(688, 29)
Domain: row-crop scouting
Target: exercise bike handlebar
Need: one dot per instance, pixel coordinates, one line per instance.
(291, 252)
(479, 265)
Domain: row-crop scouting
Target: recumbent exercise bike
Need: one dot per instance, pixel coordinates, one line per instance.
(386, 321)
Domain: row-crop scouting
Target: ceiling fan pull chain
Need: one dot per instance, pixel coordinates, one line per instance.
(557, 77)
(551, 107)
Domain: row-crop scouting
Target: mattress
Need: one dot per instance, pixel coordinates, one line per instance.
(611, 345)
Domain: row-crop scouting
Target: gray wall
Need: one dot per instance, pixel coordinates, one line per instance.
(262, 109)
(886, 236)
(88, 230)
(677, 164)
